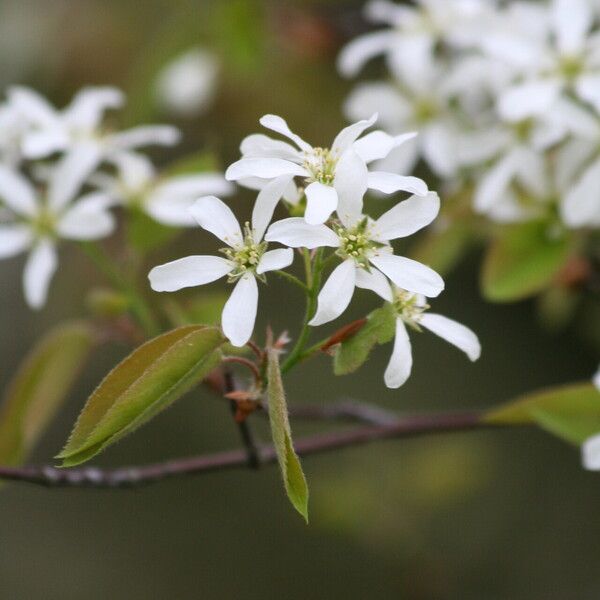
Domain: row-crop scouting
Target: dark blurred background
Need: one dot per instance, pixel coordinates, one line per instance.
(475, 516)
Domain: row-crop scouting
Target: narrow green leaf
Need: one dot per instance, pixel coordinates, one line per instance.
(354, 351)
(522, 261)
(40, 387)
(289, 463)
(146, 382)
(571, 412)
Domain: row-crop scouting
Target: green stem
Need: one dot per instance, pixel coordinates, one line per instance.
(293, 279)
(313, 283)
(138, 305)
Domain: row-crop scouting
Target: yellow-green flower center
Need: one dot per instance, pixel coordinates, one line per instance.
(570, 67)
(355, 243)
(44, 224)
(246, 256)
(320, 163)
(408, 307)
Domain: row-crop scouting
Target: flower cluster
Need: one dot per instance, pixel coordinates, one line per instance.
(326, 186)
(506, 97)
(61, 172)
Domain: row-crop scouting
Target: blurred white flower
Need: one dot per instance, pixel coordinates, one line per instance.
(367, 257)
(38, 223)
(78, 131)
(414, 32)
(186, 86)
(326, 171)
(165, 199)
(411, 310)
(12, 128)
(596, 379)
(245, 260)
(560, 55)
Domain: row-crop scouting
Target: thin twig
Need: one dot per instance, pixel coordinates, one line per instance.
(346, 410)
(240, 360)
(91, 477)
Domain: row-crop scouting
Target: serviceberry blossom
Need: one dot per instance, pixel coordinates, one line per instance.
(37, 222)
(78, 130)
(564, 58)
(165, 199)
(411, 312)
(324, 171)
(367, 257)
(245, 260)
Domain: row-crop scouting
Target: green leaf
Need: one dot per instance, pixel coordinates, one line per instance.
(353, 352)
(442, 250)
(289, 463)
(146, 382)
(40, 387)
(571, 412)
(522, 261)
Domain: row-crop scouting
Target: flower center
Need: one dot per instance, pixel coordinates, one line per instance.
(44, 224)
(409, 307)
(320, 163)
(570, 67)
(246, 256)
(425, 110)
(355, 243)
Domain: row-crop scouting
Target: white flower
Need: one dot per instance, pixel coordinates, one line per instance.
(78, 131)
(424, 107)
(326, 171)
(12, 128)
(414, 32)
(561, 54)
(165, 199)
(363, 245)
(38, 223)
(245, 260)
(187, 85)
(411, 310)
(596, 379)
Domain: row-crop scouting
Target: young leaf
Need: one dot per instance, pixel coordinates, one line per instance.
(146, 382)
(571, 412)
(354, 351)
(523, 261)
(39, 388)
(289, 463)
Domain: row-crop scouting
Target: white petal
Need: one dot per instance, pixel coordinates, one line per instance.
(394, 109)
(14, 239)
(188, 272)
(596, 379)
(350, 183)
(400, 365)
(265, 168)
(360, 50)
(409, 274)
(88, 106)
(477, 147)
(407, 217)
(259, 145)
(347, 136)
(455, 333)
(276, 123)
(39, 270)
(215, 216)
(193, 186)
(529, 99)
(494, 184)
(145, 135)
(590, 453)
(71, 172)
(135, 170)
(32, 106)
(581, 205)
(375, 281)
(588, 88)
(321, 201)
(571, 158)
(571, 21)
(173, 212)
(266, 202)
(239, 312)
(88, 218)
(17, 193)
(389, 183)
(40, 144)
(439, 149)
(336, 294)
(295, 232)
(378, 144)
(533, 174)
(273, 260)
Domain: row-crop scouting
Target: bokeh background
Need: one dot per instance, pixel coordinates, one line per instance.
(481, 516)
